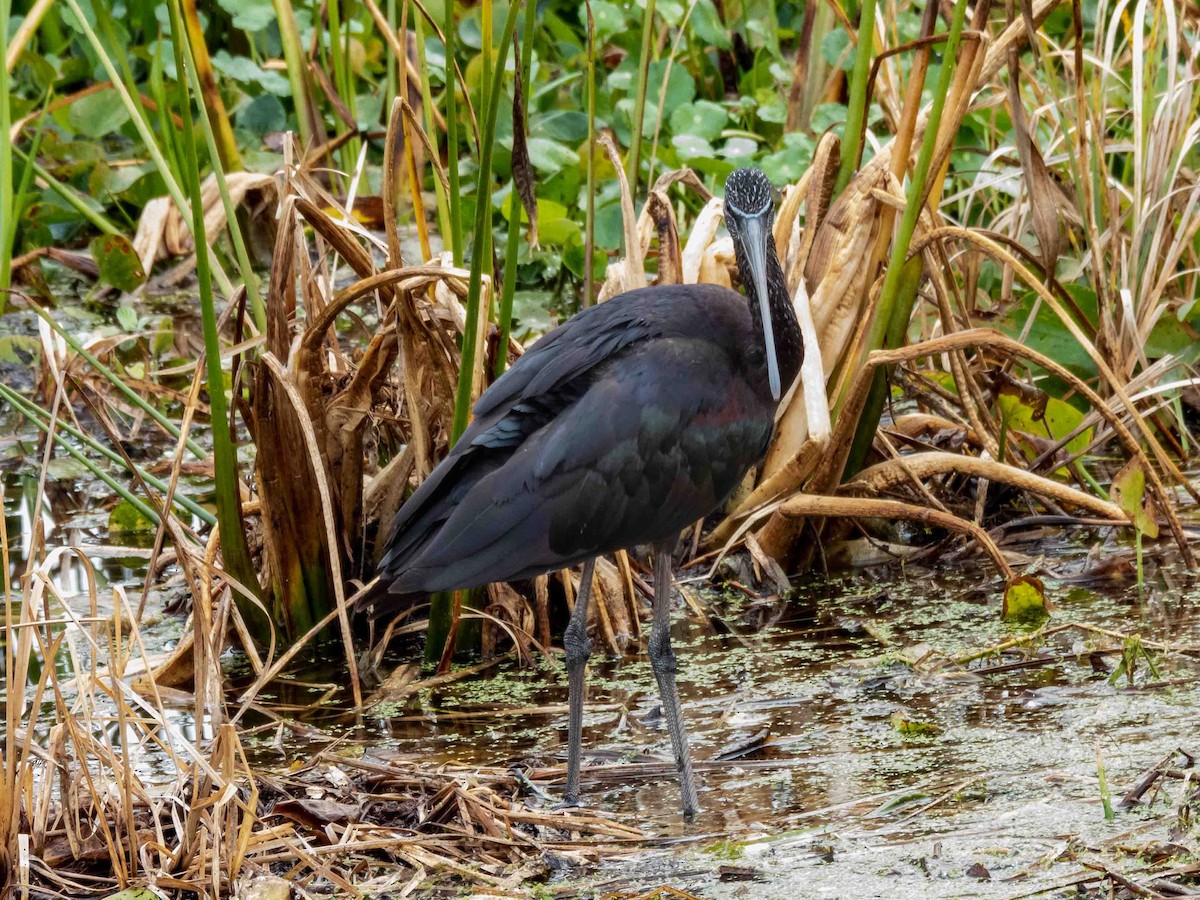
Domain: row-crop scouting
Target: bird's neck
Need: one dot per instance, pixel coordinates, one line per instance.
(789, 344)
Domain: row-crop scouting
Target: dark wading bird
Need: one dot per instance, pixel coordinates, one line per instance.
(619, 428)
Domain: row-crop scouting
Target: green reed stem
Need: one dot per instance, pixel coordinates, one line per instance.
(295, 57)
(234, 553)
(249, 278)
(514, 204)
(898, 293)
(856, 109)
(639, 107)
(589, 222)
(441, 605)
(483, 209)
(456, 237)
(8, 211)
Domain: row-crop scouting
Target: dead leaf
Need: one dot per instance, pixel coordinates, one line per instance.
(522, 168)
(318, 813)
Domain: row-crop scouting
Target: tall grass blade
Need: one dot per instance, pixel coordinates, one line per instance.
(294, 56)
(514, 218)
(214, 107)
(456, 237)
(639, 107)
(41, 420)
(896, 296)
(69, 195)
(856, 109)
(483, 217)
(443, 610)
(8, 212)
(589, 221)
(234, 552)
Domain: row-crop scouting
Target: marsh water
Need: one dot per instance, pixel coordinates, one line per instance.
(845, 745)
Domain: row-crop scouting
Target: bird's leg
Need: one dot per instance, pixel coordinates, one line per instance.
(578, 647)
(662, 660)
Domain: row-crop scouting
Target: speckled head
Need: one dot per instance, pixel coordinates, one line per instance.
(749, 214)
(748, 195)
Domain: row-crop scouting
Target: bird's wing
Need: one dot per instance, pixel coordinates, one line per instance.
(658, 440)
(539, 385)
(578, 345)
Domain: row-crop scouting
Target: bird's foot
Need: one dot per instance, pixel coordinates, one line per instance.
(567, 803)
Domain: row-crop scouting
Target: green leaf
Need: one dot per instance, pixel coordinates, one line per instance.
(250, 15)
(99, 114)
(262, 115)
(127, 318)
(20, 350)
(681, 86)
(912, 728)
(133, 894)
(1168, 336)
(739, 150)
(1025, 600)
(690, 147)
(566, 125)
(1050, 337)
(574, 257)
(550, 156)
(163, 340)
(707, 25)
(790, 163)
(610, 229)
(836, 49)
(609, 19)
(826, 116)
(1129, 492)
(555, 226)
(126, 519)
(1057, 421)
(244, 71)
(702, 119)
(119, 264)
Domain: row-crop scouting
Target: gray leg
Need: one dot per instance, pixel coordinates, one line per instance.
(662, 660)
(578, 647)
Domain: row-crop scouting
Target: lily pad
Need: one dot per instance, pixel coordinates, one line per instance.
(702, 119)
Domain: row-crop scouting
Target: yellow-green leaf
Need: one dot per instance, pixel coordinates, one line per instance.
(125, 519)
(1129, 493)
(910, 728)
(1025, 600)
(1056, 421)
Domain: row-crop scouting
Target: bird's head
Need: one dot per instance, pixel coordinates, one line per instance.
(749, 215)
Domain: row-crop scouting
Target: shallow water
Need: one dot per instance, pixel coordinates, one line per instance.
(832, 796)
(809, 785)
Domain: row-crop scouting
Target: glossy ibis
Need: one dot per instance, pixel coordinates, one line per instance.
(619, 428)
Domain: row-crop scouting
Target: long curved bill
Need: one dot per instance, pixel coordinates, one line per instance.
(755, 237)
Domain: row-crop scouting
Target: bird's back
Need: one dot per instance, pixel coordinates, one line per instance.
(621, 426)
